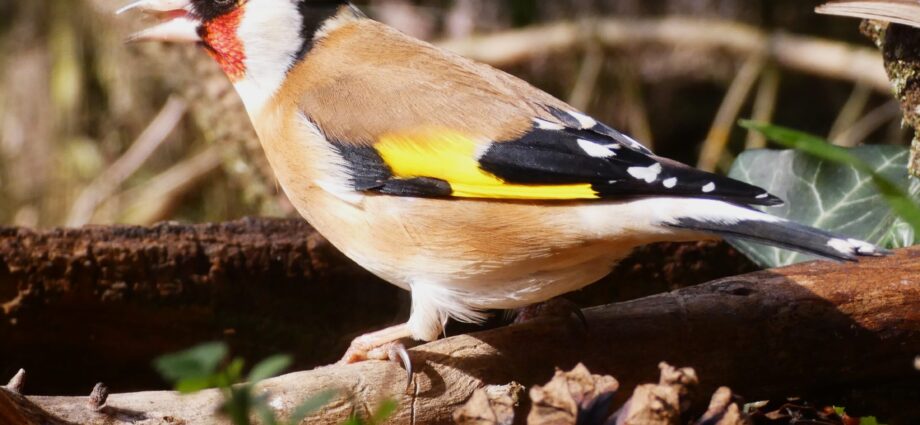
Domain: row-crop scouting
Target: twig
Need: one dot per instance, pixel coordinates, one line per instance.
(764, 105)
(153, 201)
(636, 112)
(868, 124)
(106, 183)
(18, 382)
(98, 397)
(586, 83)
(737, 95)
(811, 55)
(854, 107)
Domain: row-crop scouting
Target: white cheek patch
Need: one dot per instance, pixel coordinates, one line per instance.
(649, 174)
(270, 33)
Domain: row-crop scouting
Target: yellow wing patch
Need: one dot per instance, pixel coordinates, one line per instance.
(451, 157)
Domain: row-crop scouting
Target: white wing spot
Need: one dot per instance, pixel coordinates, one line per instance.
(862, 247)
(671, 183)
(709, 188)
(635, 143)
(584, 120)
(763, 196)
(841, 245)
(546, 125)
(649, 174)
(595, 150)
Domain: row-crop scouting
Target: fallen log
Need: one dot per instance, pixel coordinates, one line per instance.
(797, 330)
(111, 299)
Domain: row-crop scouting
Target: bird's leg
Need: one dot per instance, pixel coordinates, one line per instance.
(554, 308)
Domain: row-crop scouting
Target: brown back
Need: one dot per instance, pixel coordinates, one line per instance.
(365, 80)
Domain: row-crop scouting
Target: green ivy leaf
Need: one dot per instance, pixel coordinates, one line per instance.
(828, 195)
(272, 366)
(897, 197)
(902, 234)
(194, 365)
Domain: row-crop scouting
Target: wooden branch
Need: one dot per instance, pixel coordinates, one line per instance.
(801, 329)
(113, 298)
(805, 54)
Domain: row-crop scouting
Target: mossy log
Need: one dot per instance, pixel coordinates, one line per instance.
(900, 46)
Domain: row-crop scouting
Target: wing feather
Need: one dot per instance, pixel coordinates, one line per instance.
(418, 121)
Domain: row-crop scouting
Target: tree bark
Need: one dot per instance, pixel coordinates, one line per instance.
(900, 46)
(803, 329)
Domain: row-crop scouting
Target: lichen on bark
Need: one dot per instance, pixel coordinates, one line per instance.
(900, 46)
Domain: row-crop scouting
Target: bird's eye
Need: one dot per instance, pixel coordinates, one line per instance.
(211, 9)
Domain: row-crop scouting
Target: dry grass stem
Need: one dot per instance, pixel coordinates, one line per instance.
(141, 150)
(738, 93)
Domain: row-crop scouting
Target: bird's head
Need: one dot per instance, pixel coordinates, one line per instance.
(256, 42)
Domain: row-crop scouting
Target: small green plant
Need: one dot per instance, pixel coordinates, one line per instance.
(865, 420)
(383, 412)
(200, 368)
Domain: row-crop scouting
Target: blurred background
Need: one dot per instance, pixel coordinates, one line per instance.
(93, 130)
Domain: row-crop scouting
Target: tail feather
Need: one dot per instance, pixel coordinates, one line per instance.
(781, 233)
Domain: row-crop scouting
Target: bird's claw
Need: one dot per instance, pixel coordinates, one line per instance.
(393, 351)
(397, 352)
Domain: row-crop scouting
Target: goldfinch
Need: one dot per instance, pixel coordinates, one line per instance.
(448, 178)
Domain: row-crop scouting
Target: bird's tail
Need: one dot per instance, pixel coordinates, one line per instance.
(740, 222)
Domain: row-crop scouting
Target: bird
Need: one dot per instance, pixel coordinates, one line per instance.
(905, 12)
(448, 178)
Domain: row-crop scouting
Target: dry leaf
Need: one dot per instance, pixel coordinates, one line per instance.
(570, 394)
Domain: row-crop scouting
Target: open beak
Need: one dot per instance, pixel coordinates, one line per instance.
(178, 25)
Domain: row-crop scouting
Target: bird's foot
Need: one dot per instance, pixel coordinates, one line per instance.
(557, 308)
(384, 346)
